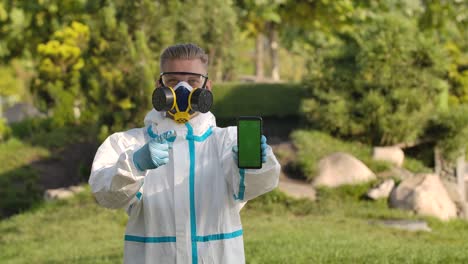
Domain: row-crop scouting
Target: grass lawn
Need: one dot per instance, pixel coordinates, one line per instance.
(19, 188)
(15, 154)
(278, 229)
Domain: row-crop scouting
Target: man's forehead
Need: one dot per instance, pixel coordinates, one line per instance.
(176, 65)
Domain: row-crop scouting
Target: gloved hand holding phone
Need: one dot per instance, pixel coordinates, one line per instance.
(155, 153)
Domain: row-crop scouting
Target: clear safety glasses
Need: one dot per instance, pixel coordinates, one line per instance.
(171, 79)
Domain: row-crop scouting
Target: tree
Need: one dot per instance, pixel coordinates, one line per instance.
(380, 84)
(447, 22)
(258, 18)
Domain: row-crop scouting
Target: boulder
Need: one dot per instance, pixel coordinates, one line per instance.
(342, 168)
(21, 111)
(393, 155)
(62, 193)
(410, 225)
(454, 194)
(424, 194)
(383, 190)
(395, 173)
(57, 194)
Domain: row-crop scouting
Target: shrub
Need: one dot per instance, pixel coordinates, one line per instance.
(5, 130)
(381, 85)
(28, 127)
(450, 131)
(263, 99)
(44, 132)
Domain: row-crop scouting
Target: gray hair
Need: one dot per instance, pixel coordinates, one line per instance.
(186, 51)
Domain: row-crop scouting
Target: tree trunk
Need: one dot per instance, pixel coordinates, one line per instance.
(274, 50)
(219, 69)
(259, 51)
(211, 63)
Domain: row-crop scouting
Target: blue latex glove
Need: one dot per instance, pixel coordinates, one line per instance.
(263, 145)
(155, 153)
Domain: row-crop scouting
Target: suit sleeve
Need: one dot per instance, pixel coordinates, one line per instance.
(247, 184)
(114, 180)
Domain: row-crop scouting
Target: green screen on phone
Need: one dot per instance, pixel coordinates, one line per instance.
(249, 131)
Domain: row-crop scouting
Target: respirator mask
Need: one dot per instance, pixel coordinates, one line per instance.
(182, 94)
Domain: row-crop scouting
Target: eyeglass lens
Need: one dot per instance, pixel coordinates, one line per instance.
(171, 80)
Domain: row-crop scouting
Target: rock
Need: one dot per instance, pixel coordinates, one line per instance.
(57, 194)
(454, 194)
(383, 190)
(341, 168)
(424, 194)
(21, 111)
(410, 225)
(393, 155)
(401, 173)
(396, 173)
(62, 193)
(76, 189)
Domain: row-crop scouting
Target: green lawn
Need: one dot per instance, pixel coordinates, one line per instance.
(19, 188)
(278, 229)
(15, 154)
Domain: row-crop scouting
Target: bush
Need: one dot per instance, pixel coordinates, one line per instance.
(43, 132)
(5, 130)
(273, 100)
(28, 127)
(450, 131)
(380, 85)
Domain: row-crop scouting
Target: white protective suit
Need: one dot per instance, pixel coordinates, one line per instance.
(186, 211)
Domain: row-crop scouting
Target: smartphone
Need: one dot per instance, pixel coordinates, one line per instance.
(249, 132)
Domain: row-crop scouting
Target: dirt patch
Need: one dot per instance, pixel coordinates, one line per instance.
(292, 181)
(68, 166)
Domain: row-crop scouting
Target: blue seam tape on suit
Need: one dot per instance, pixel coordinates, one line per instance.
(240, 196)
(150, 132)
(193, 223)
(150, 239)
(220, 236)
(167, 239)
(201, 138)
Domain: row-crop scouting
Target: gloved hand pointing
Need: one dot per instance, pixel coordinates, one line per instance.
(155, 153)
(263, 145)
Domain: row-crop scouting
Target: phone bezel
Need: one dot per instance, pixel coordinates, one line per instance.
(250, 118)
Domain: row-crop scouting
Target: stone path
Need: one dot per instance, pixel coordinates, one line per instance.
(410, 225)
(296, 188)
(287, 184)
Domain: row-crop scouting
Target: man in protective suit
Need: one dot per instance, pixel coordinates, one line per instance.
(177, 176)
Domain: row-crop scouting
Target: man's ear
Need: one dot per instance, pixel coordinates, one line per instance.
(208, 85)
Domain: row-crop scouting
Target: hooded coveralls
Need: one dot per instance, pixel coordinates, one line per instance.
(186, 211)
